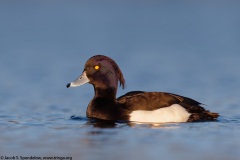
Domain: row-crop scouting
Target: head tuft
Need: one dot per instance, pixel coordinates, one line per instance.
(115, 66)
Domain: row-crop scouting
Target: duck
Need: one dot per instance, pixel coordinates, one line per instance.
(135, 106)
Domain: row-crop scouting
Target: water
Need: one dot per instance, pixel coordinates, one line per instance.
(185, 47)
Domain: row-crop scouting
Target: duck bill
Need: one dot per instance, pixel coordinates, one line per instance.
(79, 81)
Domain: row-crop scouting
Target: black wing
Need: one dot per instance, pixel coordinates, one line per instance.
(139, 100)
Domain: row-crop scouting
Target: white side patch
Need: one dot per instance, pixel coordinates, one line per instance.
(173, 113)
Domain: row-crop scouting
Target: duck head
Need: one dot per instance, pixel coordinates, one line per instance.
(102, 72)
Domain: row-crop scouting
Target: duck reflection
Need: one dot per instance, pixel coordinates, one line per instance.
(99, 123)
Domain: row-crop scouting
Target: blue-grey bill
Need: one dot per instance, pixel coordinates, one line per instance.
(79, 81)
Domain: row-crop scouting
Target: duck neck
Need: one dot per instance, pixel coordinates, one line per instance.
(108, 93)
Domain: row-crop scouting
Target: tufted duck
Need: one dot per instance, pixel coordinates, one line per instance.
(156, 107)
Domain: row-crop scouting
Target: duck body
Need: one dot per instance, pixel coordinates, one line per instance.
(139, 106)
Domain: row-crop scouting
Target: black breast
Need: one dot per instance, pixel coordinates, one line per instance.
(106, 109)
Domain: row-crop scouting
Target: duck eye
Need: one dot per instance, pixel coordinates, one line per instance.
(96, 67)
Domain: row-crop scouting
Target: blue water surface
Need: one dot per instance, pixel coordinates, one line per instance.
(185, 47)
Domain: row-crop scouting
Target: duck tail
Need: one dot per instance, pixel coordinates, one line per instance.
(213, 115)
(204, 116)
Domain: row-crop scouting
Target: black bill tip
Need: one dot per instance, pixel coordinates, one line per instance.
(68, 85)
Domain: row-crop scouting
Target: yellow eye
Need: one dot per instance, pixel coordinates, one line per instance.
(96, 67)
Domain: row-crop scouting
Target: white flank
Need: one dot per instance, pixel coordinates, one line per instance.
(173, 113)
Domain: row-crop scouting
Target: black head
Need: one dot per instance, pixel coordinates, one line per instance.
(102, 72)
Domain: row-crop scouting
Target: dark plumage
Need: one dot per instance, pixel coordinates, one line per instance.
(104, 74)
